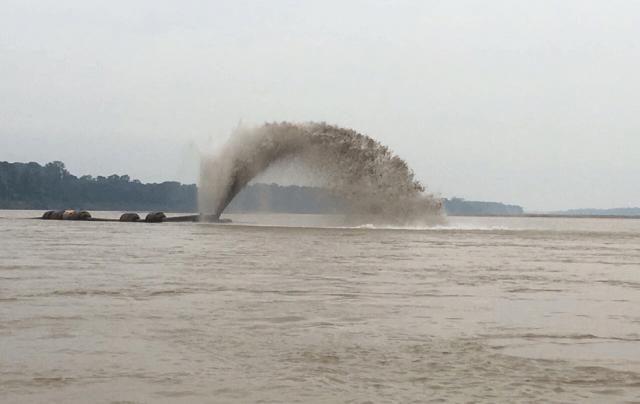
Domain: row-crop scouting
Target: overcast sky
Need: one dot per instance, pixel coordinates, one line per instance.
(529, 102)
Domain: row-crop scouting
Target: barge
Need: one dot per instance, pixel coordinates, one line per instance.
(130, 217)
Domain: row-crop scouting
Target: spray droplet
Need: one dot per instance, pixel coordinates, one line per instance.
(367, 175)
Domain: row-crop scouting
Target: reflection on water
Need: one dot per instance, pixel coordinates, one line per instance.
(271, 309)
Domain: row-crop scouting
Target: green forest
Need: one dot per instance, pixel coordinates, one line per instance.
(53, 187)
(33, 186)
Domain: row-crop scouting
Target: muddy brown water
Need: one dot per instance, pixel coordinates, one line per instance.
(277, 308)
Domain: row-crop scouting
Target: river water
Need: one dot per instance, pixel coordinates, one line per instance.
(276, 308)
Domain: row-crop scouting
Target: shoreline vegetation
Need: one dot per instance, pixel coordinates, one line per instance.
(33, 186)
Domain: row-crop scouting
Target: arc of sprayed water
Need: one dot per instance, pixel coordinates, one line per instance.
(358, 167)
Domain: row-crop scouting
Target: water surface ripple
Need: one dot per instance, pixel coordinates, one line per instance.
(479, 310)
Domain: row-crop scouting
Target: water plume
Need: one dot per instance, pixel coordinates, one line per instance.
(376, 185)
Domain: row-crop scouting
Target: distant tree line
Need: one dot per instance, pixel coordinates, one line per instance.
(33, 186)
(458, 206)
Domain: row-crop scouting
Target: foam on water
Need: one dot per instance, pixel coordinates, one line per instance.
(447, 227)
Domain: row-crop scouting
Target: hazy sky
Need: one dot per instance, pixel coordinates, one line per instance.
(529, 102)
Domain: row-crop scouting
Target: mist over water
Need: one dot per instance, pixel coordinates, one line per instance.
(376, 185)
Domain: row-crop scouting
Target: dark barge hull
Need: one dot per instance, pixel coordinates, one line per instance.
(153, 217)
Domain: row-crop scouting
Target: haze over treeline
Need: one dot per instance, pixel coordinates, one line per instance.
(52, 186)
